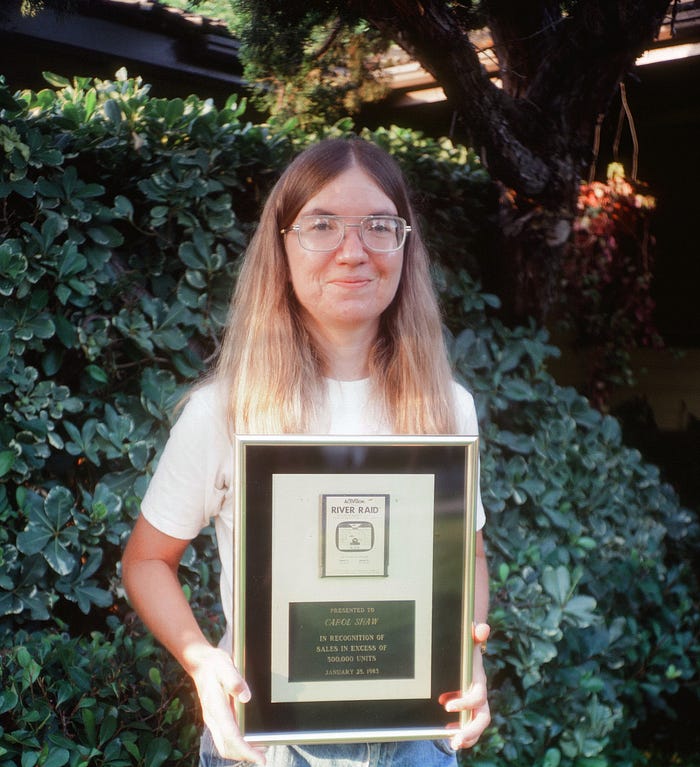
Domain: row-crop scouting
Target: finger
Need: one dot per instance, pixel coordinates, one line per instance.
(468, 736)
(235, 686)
(445, 697)
(219, 718)
(234, 747)
(474, 697)
(481, 632)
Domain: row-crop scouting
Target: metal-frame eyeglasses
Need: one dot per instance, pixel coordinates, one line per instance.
(381, 234)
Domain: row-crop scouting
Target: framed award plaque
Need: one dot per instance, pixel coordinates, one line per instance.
(354, 585)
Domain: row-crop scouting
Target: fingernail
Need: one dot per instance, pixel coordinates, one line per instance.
(244, 697)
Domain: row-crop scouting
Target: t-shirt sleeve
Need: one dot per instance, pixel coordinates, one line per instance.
(193, 476)
(467, 424)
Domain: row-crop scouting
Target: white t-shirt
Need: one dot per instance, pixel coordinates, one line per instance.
(194, 484)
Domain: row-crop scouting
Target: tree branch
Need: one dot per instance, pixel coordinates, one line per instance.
(431, 32)
(521, 34)
(330, 39)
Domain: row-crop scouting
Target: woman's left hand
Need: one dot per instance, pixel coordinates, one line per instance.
(474, 699)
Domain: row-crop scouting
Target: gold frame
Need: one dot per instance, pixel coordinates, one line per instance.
(270, 734)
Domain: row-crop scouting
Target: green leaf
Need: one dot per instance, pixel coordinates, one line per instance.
(155, 676)
(518, 390)
(192, 257)
(58, 81)
(174, 111)
(29, 758)
(611, 430)
(113, 112)
(90, 102)
(138, 454)
(518, 443)
(39, 326)
(51, 361)
(8, 102)
(97, 374)
(72, 262)
(51, 532)
(582, 609)
(123, 207)
(88, 718)
(7, 461)
(108, 728)
(8, 699)
(557, 583)
(147, 704)
(65, 331)
(158, 750)
(56, 757)
(105, 235)
(170, 338)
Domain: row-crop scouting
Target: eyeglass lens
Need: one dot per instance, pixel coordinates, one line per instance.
(380, 233)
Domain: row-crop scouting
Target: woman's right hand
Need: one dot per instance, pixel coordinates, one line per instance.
(218, 682)
(149, 572)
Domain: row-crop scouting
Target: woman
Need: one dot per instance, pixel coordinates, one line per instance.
(333, 329)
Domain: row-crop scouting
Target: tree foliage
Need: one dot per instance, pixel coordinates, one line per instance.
(122, 219)
(607, 273)
(318, 69)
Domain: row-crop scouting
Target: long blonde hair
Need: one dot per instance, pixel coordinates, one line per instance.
(268, 363)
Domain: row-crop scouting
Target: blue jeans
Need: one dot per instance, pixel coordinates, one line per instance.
(414, 753)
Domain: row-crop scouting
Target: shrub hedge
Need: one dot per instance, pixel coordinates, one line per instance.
(122, 220)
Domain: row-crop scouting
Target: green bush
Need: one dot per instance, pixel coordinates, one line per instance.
(594, 603)
(92, 700)
(122, 219)
(118, 249)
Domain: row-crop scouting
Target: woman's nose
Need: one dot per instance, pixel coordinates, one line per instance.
(351, 247)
